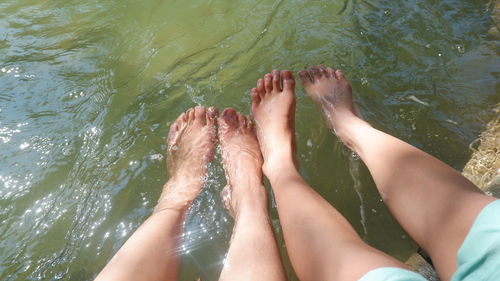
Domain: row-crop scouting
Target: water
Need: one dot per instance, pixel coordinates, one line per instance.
(88, 88)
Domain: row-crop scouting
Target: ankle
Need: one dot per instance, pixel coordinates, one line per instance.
(347, 128)
(251, 212)
(280, 170)
(336, 117)
(178, 194)
(280, 159)
(249, 199)
(246, 180)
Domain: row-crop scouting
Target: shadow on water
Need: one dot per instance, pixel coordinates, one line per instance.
(87, 91)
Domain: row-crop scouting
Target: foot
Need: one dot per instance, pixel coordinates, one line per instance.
(273, 107)
(191, 141)
(242, 161)
(331, 91)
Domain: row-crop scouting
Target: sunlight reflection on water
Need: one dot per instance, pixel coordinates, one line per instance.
(87, 90)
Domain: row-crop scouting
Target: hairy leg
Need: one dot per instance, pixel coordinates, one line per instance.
(253, 254)
(321, 244)
(151, 253)
(433, 203)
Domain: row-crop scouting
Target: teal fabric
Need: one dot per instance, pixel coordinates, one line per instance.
(391, 274)
(479, 255)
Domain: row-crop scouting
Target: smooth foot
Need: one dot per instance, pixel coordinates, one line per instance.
(191, 142)
(242, 161)
(332, 92)
(273, 107)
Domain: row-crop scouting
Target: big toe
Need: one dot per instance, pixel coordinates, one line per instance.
(172, 134)
(176, 128)
(228, 119)
(254, 93)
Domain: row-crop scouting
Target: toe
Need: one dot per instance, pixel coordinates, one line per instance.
(255, 100)
(268, 82)
(276, 80)
(211, 116)
(228, 118)
(182, 118)
(176, 127)
(248, 122)
(287, 80)
(304, 77)
(242, 121)
(172, 133)
(314, 73)
(339, 74)
(200, 115)
(255, 96)
(322, 69)
(261, 88)
(190, 115)
(330, 72)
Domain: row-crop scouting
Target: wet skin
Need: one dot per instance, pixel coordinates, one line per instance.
(151, 253)
(242, 162)
(273, 107)
(253, 253)
(433, 203)
(191, 142)
(329, 89)
(321, 244)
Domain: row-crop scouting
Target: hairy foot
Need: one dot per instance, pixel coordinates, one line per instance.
(191, 141)
(273, 107)
(242, 161)
(330, 90)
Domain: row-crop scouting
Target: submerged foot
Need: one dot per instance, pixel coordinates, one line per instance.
(273, 107)
(242, 161)
(191, 141)
(331, 91)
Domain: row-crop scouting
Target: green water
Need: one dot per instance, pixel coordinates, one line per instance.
(88, 88)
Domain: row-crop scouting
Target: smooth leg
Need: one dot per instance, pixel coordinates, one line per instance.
(433, 203)
(152, 252)
(321, 244)
(253, 253)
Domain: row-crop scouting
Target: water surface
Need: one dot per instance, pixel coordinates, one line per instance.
(88, 88)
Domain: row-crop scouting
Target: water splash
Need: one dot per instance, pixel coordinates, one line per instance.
(207, 218)
(354, 167)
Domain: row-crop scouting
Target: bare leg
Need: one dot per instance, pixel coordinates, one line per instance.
(321, 244)
(434, 203)
(151, 253)
(253, 254)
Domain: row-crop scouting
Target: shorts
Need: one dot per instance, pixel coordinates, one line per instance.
(478, 257)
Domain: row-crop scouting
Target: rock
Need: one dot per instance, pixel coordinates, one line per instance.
(420, 265)
(495, 16)
(483, 169)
